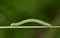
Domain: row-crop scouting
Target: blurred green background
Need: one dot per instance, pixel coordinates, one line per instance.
(18, 10)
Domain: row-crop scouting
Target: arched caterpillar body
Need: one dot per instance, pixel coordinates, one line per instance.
(31, 20)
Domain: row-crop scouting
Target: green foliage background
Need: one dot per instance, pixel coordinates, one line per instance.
(18, 10)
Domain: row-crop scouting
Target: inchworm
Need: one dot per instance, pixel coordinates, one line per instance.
(31, 20)
(16, 25)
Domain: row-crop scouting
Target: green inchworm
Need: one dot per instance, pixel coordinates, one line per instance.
(31, 20)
